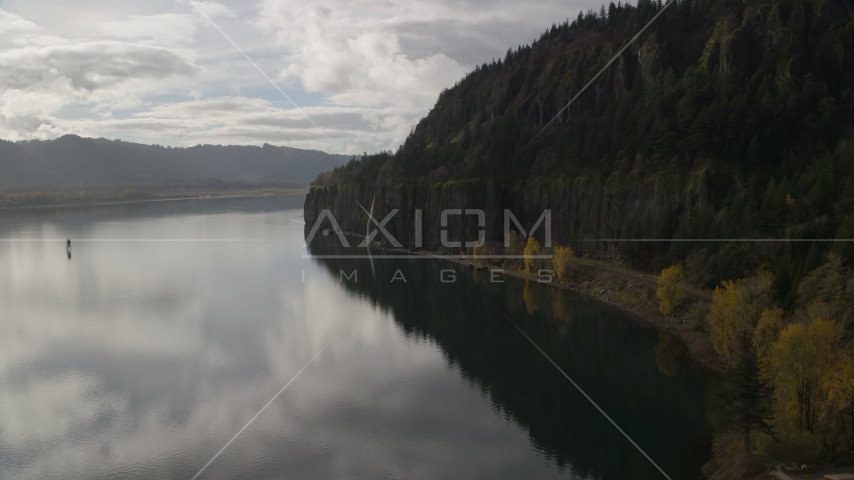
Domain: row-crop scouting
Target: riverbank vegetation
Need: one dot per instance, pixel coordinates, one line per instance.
(611, 283)
(669, 292)
(788, 396)
(791, 371)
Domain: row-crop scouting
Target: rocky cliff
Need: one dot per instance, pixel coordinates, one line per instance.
(583, 210)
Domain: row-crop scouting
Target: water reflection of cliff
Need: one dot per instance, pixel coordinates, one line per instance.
(611, 357)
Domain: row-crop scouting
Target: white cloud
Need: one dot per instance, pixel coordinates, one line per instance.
(215, 10)
(11, 23)
(91, 65)
(44, 75)
(356, 61)
(27, 113)
(396, 54)
(162, 29)
(365, 70)
(242, 120)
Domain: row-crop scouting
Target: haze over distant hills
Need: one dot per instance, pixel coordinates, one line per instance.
(71, 159)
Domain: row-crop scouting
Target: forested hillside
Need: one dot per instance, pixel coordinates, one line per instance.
(725, 119)
(97, 161)
(727, 126)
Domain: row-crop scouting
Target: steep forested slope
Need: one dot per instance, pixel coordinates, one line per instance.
(725, 119)
(753, 84)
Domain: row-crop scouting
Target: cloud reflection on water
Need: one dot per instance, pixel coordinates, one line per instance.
(143, 359)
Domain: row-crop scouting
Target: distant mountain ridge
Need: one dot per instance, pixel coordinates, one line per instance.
(71, 159)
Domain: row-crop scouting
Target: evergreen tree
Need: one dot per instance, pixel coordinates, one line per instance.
(748, 398)
(844, 244)
(771, 158)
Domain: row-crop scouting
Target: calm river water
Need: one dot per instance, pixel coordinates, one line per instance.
(174, 323)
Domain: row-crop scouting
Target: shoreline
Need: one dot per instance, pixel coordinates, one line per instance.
(698, 346)
(688, 339)
(198, 196)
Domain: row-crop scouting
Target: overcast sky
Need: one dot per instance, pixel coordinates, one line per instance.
(157, 71)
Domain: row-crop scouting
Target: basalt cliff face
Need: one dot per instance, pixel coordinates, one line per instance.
(584, 211)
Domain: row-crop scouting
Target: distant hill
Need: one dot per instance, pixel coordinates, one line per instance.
(71, 159)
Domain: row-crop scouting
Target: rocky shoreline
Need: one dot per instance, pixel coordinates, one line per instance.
(603, 286)
(698, 345)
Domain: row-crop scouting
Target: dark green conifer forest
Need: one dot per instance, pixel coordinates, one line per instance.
(748, 101)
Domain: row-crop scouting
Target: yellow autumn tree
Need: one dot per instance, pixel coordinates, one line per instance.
(532, 248)
(669, 292)
(736, 310)
(721, 317)
(767, 331)
(562, 260)
(804, 359)
(755, 296)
